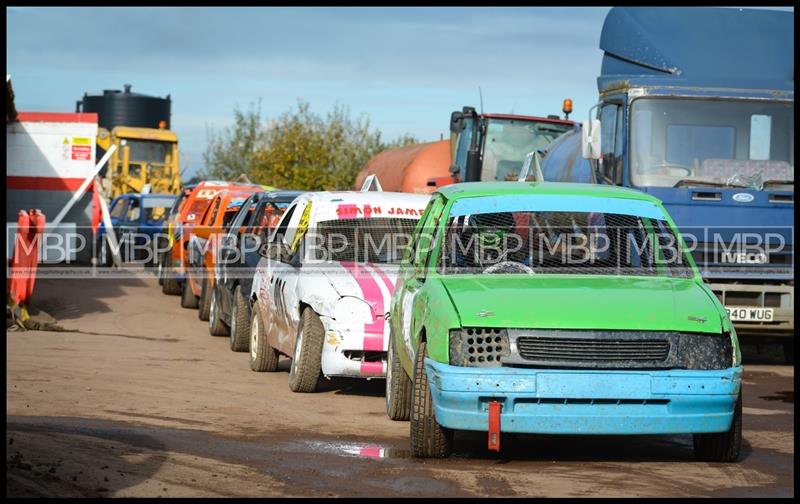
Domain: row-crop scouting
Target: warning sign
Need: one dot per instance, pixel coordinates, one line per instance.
(81, 152)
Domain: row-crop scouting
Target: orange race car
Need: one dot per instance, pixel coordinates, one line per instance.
(186, 212)
(202, 244)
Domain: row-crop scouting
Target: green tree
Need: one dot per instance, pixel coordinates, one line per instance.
(297, 150)
(230, 153)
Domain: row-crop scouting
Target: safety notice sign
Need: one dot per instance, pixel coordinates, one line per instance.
(81, 149)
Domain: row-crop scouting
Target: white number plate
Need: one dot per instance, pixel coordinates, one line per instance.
(749, 314)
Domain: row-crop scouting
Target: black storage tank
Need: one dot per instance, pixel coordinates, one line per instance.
(123, 108)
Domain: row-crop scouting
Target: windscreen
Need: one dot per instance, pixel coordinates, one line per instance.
(508, 141)
(373, 240)
(149, 151)
(560, 242)
(723, 143)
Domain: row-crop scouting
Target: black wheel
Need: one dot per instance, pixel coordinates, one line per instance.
(307, 359)
(188, 299)
(240, 322)
(204, 305)
(398, 386)
(788, 352)
(721, 446)
(215, 324)
(262, 356)
(170, 285)
(428, 438)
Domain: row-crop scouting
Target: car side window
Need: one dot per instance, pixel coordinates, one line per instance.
(611, 140)
(424, 238)
(411, 251)
(214, 211)
(241, 217)
(280, 231)
(134, 210)
(120, 208)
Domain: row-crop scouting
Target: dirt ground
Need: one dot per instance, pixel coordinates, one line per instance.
(137, 399)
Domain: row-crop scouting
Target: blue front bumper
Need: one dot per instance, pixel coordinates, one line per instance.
(550, 401)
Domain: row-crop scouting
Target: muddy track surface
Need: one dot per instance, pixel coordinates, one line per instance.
(135, 398)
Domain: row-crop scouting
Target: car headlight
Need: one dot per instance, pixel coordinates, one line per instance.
(352, 310)
(478, 347)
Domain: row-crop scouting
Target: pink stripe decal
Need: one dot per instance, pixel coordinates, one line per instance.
(386, 280)
(373, 332)
(372, 368)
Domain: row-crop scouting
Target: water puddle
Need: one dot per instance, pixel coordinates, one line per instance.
(351, 449)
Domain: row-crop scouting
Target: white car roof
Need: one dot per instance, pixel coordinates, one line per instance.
(330, 205)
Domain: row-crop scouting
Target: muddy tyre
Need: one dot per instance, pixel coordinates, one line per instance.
(170, 286)
(262, 356)
(398, 386)
(204, 305)
(305, 371)
(216, 327)
(721, 446)
(188, 299)
(428, 438)
(240, 322)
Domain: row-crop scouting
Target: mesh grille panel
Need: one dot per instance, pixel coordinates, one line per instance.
(375, 240)
(561, 243)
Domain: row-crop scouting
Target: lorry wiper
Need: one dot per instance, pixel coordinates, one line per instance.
(686, 182)
(777, 182)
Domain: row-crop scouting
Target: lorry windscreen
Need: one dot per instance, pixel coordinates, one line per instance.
(148, 151)
(735, 143)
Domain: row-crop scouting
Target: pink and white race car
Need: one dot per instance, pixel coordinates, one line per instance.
(321, 291)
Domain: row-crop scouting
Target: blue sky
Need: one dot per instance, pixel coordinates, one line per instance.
(404, 68)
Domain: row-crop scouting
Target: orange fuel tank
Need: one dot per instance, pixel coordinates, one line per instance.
(407, 169)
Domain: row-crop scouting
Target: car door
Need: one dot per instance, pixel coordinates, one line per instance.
(230, 262)
(288, 276)
(411, 279)
(269, 281)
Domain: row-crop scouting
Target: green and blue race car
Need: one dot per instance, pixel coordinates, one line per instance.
(558, 309)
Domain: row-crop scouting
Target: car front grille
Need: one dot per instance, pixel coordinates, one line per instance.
(571, 349)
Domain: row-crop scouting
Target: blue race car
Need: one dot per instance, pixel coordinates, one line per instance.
(136, 218)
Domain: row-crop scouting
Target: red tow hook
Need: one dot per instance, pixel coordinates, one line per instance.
(494, 425)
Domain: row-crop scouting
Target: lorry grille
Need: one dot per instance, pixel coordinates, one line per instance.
(570, 349)
(724, 260)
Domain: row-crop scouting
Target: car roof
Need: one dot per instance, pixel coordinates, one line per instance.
(279, 195)
(361, 197)
(329, 203)
(476, 189)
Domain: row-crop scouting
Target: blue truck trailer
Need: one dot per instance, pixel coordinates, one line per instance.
(696, 107)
